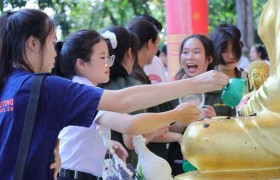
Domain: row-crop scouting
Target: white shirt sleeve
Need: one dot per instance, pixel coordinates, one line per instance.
(98, 115)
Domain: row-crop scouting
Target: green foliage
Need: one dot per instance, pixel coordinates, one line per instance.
(257, 10)
(13, 3)
(98, 14)
(221, 11)
(72, 15)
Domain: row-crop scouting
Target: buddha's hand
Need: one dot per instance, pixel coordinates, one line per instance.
(187, 113)
(211, 81)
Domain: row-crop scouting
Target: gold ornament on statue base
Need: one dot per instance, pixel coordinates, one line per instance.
(243, 147)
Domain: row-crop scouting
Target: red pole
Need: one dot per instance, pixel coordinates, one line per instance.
(183, 18)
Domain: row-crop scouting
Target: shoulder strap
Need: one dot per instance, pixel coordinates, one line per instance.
(29, 121)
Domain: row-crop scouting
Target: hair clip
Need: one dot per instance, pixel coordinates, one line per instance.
(112, 37)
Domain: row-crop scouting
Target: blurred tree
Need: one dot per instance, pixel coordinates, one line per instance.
(242, 13)
(245, 23)
(13, 4)
(72, 15)
(221, 11)
(257, 10)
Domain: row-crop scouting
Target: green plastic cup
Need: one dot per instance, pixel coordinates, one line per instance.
(234, 91)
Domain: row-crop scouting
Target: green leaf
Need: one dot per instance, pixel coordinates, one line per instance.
(139, 173)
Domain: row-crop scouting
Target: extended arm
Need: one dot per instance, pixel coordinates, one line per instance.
(143, 96)
(148, 122)
(168, 137)
(128, 139)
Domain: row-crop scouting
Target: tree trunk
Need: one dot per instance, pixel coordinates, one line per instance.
(245, 24)
(250, 24)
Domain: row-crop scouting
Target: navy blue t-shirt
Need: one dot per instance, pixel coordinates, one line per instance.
(61, 103)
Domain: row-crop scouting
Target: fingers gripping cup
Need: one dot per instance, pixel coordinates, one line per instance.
(195, 99)
(234, 91)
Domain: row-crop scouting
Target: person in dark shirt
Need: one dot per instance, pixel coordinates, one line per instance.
(226, 39)
(196, 57)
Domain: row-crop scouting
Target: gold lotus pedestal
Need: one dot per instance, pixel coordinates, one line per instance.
(236, 148)
(231, 175)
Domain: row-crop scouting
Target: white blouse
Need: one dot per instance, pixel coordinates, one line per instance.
(82, 148)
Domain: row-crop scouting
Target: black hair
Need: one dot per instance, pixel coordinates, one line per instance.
(157, 25)
(209, 52)
(144, 31)
(139, 74)
(262, 50)
(15, 30)
(76, 45)
(164, 49)
(150, 19)
(158, 53)
(221, 36)
(125, 40)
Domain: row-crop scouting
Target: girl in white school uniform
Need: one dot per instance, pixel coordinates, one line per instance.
(83, 57)
(81, 149)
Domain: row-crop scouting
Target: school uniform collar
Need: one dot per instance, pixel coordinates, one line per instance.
(82, 80)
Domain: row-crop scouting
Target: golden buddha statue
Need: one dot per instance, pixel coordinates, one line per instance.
(258, 72)
(243, 147)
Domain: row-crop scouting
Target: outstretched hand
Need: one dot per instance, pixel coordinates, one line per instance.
(187, 113)
(211, 81)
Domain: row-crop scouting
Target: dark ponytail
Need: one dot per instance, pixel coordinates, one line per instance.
(139, 73)
(56, 69)
(144, 31)
(5, 63)
(125, 39)
(76, 45)
(15, 29)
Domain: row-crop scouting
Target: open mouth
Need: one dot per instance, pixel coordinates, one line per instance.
(231, 62)
(192, 68)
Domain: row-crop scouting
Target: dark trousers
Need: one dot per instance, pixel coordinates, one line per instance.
(67, 174)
